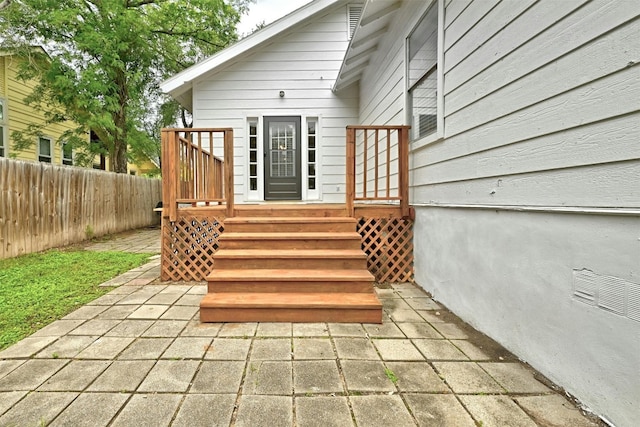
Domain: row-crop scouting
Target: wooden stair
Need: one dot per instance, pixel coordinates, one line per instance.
(293, 268)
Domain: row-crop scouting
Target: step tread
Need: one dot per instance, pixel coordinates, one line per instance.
(290, 235)
(282, 275)
(289, 219)
(289, 253)
(291, 300)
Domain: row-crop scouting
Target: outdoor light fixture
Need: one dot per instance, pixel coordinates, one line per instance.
(281, 94)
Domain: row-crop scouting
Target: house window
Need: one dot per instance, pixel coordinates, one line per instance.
(45, 149)
(353, 16)
(423, 74)
(67, 154)
(3, 128)
(253, 155)
(312, 126)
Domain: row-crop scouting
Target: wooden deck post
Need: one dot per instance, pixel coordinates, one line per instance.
(403, 169)
(170, 169)
(351, 170)
(228, 167)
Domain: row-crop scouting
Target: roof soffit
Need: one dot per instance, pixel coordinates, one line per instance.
(373, 25)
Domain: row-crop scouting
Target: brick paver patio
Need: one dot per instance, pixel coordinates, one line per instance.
(139, 356)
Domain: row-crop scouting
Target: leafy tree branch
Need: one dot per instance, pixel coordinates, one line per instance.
(106, 58)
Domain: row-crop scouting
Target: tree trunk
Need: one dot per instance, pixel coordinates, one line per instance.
(119, 158)
(118, 151)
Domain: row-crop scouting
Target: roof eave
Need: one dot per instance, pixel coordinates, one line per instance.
(364, 42)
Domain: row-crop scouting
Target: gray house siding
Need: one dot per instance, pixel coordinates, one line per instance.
(534, 183)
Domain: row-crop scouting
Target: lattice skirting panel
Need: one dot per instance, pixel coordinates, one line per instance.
(188, 246)
(388, 243)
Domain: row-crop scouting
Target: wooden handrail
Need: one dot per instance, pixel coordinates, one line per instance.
(361, 163)
(191, 173)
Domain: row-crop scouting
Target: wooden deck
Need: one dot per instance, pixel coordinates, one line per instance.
(293, 262)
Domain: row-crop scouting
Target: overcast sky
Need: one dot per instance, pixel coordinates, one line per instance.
(267, 11)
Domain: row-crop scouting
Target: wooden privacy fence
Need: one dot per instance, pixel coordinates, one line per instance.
(192, 173)
(44, 206)
(378, 166)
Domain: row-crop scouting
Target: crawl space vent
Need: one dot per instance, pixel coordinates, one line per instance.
(609, 293)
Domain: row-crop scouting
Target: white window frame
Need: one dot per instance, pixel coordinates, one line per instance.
(63, 158)
(307, 195)
(4, 128)
(258, 194)
(52, 153)
(439, 133)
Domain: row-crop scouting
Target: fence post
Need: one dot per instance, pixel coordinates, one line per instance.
(228, 167)
(351, 170)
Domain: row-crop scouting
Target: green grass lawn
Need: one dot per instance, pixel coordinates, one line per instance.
(37, 289)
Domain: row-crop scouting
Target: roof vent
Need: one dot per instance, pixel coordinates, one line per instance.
(354, 12)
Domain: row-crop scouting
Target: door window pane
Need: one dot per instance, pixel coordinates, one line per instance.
(312, 125)
(253, 155)
(282, 137)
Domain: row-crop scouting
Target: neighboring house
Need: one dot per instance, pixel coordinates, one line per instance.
(149, 167)
(16, 115)
(525, 158)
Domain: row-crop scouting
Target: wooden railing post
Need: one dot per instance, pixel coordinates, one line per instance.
(403, 170)
(228, 167)
(351, 170)
(170, 165)
(164, 164)
(211, 175)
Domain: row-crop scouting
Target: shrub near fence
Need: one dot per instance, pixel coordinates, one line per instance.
(44, 206)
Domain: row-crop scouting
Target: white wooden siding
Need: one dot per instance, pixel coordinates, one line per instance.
(540, 107)
(554, 44)
(526, 27)
(382, 86)
(304, 63)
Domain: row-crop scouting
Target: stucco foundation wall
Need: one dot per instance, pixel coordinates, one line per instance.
(510, 275)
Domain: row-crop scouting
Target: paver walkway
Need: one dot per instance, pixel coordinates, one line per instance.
(145, 240)
(139, 356)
